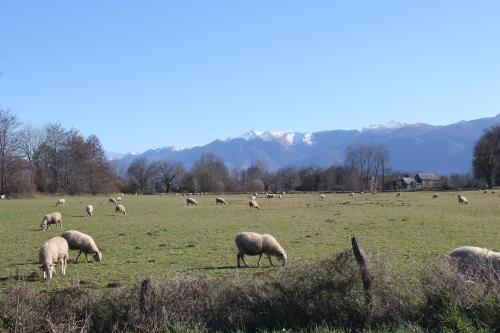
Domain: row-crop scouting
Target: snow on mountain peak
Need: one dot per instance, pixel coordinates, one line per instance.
(389, 126)
(286, 138)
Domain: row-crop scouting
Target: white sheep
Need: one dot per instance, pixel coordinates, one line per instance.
(119, 199)
(252, 244)
(191, 201)
(435, 196)
(112, 201)
(52, 251)
(120, 209)
(280, 196)
(90, 210)
(269, 195)
(84, 243)
(52, 218)
(253, 197)
(61, 202)
(253, 205)
(220, 201)
(473, 257)
(351, 194)
(462, 200)
(321, 196)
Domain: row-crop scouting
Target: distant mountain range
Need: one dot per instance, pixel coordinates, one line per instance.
(412, 147)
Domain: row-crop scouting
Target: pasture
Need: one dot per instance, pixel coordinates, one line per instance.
(161, 236)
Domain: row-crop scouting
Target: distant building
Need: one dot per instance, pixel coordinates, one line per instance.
(408, 183)
(427, 180)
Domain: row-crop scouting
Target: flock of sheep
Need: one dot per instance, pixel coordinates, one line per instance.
(56, 249)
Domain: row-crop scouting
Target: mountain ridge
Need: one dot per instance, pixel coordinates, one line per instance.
(413, 147)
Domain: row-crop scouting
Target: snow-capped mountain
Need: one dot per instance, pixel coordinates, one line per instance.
(412, 147)
(284, 137)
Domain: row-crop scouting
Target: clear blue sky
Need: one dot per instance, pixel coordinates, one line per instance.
(146, 74)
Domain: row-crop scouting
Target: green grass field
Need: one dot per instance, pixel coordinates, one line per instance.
(161, 236)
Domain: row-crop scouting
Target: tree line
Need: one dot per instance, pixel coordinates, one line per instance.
(51, 159)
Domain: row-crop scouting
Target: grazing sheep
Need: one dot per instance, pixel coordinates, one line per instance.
(136, 194)
(163, 195)
(351, 194)
(361, 192)
(252, 244)
(191, 201)
(90, 210)
(321, 196)
(52, 251)
(112, 201)
(462, 200)
(220, 201)
(472, 257)
(84, 243)
(120, 209)
(283, 193)
(253, 205)
(485, 191)
(280, 196)
(269, 195)
(398, 194)
(52, 218)
(435, 196)
(494, 191)
(61, 202)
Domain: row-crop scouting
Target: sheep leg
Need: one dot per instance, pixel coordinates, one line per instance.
(78, 256)
(269, 257)
(258, 261)
(87, 257)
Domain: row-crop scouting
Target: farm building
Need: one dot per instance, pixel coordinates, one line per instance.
(408, 183)
(427, 180)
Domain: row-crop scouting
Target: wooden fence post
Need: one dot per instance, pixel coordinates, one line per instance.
(366, 278)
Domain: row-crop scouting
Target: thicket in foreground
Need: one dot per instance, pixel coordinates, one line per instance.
(320, 296)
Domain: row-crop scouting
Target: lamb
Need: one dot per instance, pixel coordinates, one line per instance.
(52, 218)
(90, 210)
(472, 257)
(252, 244)
(191, 201)
(120, 209)
(435, 196)
(61, 202)
(253, 205)
(112, 201)
(52, 251)
(220, 201)
(462, 200)
(84, 243)
(321, 196)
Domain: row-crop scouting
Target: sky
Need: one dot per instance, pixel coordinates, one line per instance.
(149, 74)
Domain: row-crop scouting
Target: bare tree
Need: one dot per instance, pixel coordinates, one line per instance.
(367, 161)
(142, 173)
(31, 138)
(9, 144)
(169, 173)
